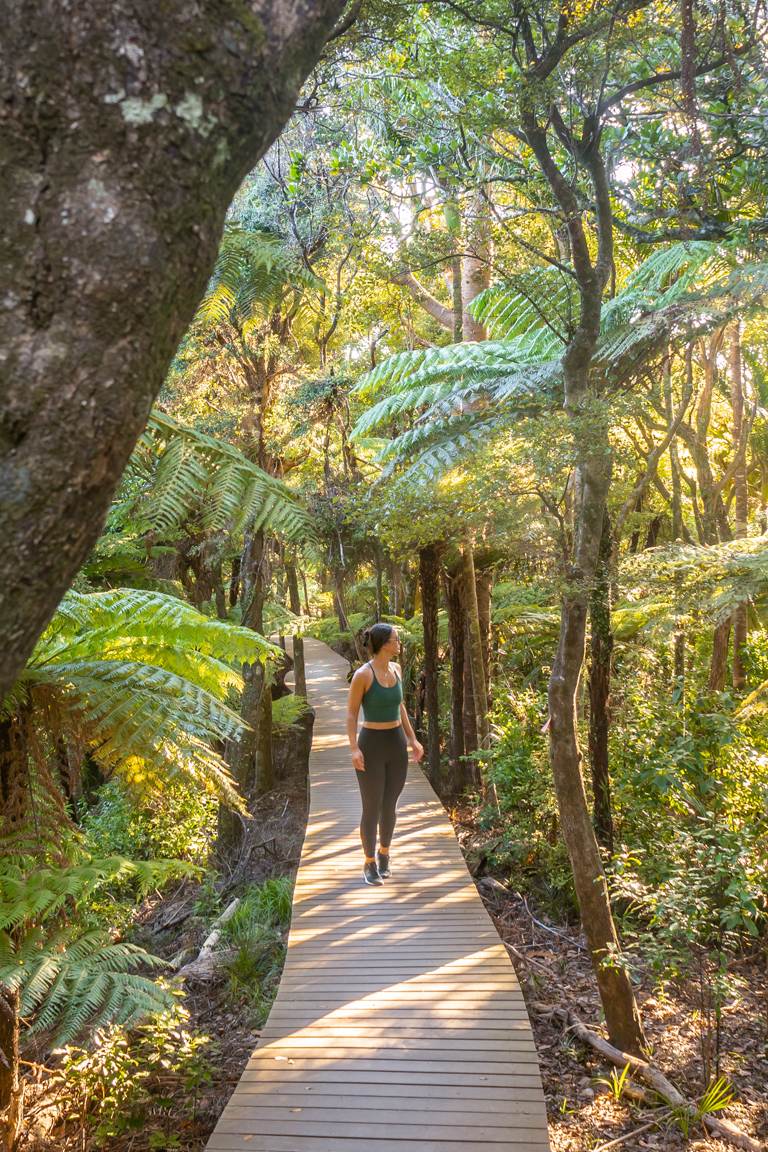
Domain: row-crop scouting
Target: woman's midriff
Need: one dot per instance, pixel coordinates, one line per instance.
(381, 725)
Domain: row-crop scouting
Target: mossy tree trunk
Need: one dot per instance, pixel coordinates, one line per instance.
(456, 627)
(127, 130)
(294, 603)
(429, 578)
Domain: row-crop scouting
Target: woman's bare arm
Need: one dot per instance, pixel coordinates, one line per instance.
(354, 700)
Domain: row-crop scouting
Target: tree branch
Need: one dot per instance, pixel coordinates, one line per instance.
(440, 312)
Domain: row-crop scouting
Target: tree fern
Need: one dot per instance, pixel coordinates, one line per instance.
(185, 478)
(253, 271)
(679, 292)
(72, 977)
(137, 680)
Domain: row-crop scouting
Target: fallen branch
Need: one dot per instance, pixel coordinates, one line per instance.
(497, 888)
(652, 1076)
(202, 967)
(627, 1136)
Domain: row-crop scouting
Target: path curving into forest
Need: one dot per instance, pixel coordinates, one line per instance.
(399, 1025)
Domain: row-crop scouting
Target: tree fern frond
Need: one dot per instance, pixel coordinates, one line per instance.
(187, 476)
(543, 301)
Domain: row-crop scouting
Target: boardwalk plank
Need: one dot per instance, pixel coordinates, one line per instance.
(399, 1024)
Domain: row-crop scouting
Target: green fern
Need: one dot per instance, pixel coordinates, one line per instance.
(72, 978)
(447, 392)
(186, 479)
(137, 680)
(254, 270)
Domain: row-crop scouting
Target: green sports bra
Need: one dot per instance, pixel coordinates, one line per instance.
(381, 705)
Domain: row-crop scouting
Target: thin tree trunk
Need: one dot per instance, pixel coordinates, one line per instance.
(741, 495)
(97, 272)
(263, 766)
(294, 603)
(484, 580)
(11, 1093)
(456, 625)
(601, 651)
(458, 310)
(234, 582)
(678, 527)
(429, 576)
(476, 266)
(479, 690)
(471, 738)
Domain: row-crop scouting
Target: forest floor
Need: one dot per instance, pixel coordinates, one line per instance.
(583, 1112)
(554, 969)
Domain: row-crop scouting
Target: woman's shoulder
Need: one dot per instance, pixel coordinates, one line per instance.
(363, 674)
(396, 669)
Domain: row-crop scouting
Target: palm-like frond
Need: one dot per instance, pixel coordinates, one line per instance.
(253, 271)
(186, 478)
(71, 977)
(541, 305)
(684, 290)
(140, 681)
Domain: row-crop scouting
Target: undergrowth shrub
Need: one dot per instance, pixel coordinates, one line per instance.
(254, 937)
(177, 822)
(148, 1079)
(528, 851)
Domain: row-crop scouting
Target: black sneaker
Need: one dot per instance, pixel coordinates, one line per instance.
(382, 863)
(371, 874)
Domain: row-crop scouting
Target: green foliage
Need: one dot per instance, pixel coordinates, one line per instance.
(148, 1079)
(287, 711)
(254, 935)
(450, 392)
(179, 477)
(74, 977)
(177, 822)
(254, 270)
(529, 853)
(136, 680)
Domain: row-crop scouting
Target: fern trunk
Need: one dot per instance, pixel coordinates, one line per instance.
(299, 667)
(474, 632)
(429, 577)
(124, 146)
(456, 627)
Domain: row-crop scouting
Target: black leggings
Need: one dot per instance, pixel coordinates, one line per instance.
(385, 752)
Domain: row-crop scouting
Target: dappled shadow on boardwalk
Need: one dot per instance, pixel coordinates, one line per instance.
(399, 1024)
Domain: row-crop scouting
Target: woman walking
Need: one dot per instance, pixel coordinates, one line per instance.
(380, 755)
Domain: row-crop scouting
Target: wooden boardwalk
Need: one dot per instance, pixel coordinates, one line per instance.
(399, 1025)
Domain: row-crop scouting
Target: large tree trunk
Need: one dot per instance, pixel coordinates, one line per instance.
(126, 132)
(601, 650)
(429, 576)
(589, 420)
